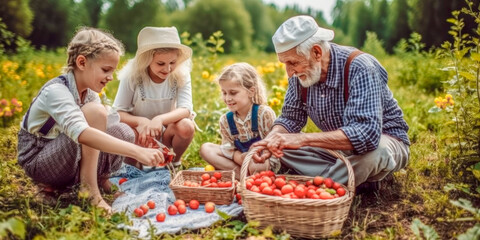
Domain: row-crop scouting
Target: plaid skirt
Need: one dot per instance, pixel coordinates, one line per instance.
(56, 162)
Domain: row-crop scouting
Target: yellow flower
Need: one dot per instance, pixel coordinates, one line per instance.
(278, 94)
(205, 74)
(274, 102)
(448, 97)
(284, 82)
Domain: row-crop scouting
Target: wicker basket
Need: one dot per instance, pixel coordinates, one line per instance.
(303, 218)
(220, 196)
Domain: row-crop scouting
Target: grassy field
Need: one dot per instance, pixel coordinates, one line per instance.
(418, 204)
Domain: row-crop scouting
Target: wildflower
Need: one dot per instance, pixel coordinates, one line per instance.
(4, 102)
(278, 94)
(274, 102)
(284, 82)
(205, 74)
(8, 112)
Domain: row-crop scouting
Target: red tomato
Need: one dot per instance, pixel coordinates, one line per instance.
(218, 175)
(318, 180)
(238, 196)
(161, 217)
(267, 190)
(280, 182)
(144, 208)
(151, 204)
(328, 182)
(300, 191)
(213, 179)
(205, 176)
(267, 180)
(277, 192)
(258, 181)
(182, 209)
(179, 202)
(325, 195)
(193, 204)
(172, 210)
(263, 185)
(122, 180)
(341, 191)
(336, 185)
(209, 207)
(138, 212)
(287, 189)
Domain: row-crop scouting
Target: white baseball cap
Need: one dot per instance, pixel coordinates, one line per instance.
(296, 30)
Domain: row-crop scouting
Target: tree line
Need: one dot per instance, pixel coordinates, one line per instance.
(246, 24)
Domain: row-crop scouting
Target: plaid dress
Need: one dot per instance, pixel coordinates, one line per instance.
(56, 162)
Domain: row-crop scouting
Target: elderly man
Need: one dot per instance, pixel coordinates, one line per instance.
(345, 93)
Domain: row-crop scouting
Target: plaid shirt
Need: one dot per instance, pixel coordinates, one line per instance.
(370, 109)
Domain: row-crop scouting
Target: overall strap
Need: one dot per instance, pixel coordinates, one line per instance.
(233, 127)
(346, 70)
(231, 124)
(50, 122)
(255, 118)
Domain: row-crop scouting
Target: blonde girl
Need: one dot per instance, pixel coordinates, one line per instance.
(248, 121)
(155, 92)
(65, 138)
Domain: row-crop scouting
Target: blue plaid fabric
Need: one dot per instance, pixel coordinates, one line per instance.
(370, 109)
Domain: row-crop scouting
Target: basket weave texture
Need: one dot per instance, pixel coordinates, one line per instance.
(303, 218)
(220, 196)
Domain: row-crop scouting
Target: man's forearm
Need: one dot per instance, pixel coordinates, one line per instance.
(336, 140)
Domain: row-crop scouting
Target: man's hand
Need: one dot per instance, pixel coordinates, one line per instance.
(275, 143)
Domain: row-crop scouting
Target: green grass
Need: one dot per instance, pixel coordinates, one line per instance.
(418, 192)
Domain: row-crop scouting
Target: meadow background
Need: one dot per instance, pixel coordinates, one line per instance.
(429, 48)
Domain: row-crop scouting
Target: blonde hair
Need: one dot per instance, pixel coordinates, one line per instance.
(246, 75)
(136, 69)
(90, 42)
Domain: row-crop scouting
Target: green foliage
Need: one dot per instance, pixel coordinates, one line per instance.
(230, 17)
(14, 226)
(18, 16)
(419, 67)
(428, 233)
(374, 46)
(51, 25)
(119, 19)
(262, 24)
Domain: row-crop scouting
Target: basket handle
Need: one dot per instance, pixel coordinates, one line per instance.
(249, 158)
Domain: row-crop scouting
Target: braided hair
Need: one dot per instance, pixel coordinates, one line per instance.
(91, 42)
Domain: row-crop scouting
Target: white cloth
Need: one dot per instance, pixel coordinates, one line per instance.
(63, 104)
(159, 98)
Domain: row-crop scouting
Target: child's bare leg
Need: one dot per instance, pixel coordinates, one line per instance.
(96, 116)
(179, 135)
(212, 153)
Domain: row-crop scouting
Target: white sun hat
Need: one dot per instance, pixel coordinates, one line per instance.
(296, 30)
(161, 37)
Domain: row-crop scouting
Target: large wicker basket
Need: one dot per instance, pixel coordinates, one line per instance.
(303, 218)
(220, 196)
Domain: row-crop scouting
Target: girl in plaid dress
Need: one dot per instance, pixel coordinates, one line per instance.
(248, 121)
(65, 137)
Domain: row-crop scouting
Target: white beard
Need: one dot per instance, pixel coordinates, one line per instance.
(312, 76)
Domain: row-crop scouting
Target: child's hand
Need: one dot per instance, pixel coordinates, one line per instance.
(150, 156)
(156, 126)
(142, 129)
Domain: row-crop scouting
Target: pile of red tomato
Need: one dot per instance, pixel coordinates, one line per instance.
(266, 182)
(208, 180)
(179, 206)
